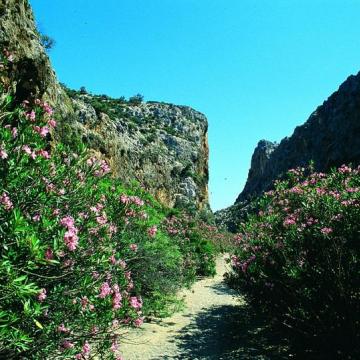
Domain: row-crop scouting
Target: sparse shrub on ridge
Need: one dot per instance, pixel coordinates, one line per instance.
(81, 256)
(298, 260)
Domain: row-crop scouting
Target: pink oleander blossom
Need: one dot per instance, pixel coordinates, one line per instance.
(105, 290)
(133, 247)
(138, 322)
(42, 131)
(49, 255)
(114, 346)
(67, 221)
(326, 230)
(31, 116)
(152, 231)
(3, 154)
(71, 239)
(6, 202)
(42, 295)
(36, 217)
(67, 344)
(14, 132)
(86, 348)
(62, 329)
(52, 123)
(135, 303)
(27, 149)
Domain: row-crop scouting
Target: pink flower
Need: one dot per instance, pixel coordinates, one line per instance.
(3, 154)
(67, 344)
(6, 202)
(52, 123)
(44, 154)
(26, 149)
(47, 108)
(86, 348)
(84, 302)
(135, 302)
(133, 247)
(152, 231)
(326, 230)
(14, 132)
(42, 295)
(114, 346)
(49, 255)
(112, 260)
(102, 220)
(67, 221)
(71, 239)
(36, 218)
(124, 199)
(138, 322)
(290, 220)
(116, 297)
(122, 264)
(62, 328)
(31, 115)
(42, 131)
(105, 290)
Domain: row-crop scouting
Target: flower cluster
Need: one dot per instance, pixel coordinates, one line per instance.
(300, 252)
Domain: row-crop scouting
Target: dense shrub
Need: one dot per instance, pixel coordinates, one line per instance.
(80, 255)
(298, 260)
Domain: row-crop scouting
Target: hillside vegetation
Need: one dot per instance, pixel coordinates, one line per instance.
(81, 255)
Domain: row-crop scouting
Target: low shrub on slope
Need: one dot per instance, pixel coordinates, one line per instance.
(298, 260)
(81, 256)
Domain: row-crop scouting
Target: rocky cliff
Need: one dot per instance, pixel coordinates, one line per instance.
(330, 137)
(163, 146)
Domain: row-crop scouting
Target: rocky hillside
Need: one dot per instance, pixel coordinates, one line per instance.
(330, 137)
(163, 146)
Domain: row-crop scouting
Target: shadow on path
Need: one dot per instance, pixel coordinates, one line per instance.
(227, 332)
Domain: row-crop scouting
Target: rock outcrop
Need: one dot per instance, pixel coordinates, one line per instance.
(163, 146)
(330, 137)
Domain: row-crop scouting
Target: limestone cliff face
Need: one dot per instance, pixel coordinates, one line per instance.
(330, 137)
(163, 146)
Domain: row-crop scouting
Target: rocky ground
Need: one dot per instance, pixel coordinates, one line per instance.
(214, 325)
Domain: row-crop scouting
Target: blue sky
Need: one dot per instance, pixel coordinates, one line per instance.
(255, 68)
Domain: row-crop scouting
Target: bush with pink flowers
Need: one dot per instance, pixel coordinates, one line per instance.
(298, 260)
(80, 255)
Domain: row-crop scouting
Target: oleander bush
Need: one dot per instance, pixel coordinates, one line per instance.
(81, 256)
(298, 260)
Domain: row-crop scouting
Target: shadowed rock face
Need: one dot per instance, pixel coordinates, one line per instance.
(163, 146)
(330, 137)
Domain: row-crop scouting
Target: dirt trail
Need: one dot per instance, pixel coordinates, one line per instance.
(204, 330)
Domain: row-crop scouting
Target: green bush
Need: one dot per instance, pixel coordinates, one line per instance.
(80, 255)
(298, 260)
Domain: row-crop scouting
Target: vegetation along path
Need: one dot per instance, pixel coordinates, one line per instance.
(215, 325)
(204, 330)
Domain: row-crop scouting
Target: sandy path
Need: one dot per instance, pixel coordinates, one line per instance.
(204, 330)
